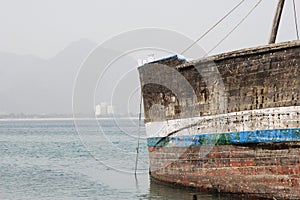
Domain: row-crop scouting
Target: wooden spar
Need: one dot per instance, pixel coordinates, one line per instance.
(276, 21)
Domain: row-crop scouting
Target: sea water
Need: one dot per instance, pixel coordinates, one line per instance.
(81, 159)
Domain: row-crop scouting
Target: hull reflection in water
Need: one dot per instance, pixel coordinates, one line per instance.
(163, 191)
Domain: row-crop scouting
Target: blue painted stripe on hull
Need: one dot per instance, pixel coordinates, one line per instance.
(255, 136)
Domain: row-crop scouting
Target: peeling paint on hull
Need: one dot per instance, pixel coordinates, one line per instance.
(237, 131)
(234, 138)
(257, 171)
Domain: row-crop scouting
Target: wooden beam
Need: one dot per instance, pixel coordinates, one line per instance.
(276, 21)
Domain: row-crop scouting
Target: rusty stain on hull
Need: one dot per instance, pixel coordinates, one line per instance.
(259, 92)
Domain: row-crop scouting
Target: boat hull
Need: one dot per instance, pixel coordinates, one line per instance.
(267, 170)
(227, 123)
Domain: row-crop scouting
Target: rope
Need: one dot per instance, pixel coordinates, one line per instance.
(139, 135)
(295, 17)
(240, 22)
(212, 27)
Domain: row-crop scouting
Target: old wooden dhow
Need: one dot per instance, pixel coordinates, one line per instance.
(227, 123)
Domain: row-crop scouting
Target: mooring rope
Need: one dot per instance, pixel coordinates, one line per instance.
(295, 18)
(202, 36)
(234, 28)
(139, 135)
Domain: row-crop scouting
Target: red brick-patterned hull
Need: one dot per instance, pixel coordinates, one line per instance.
(269, 170)
(228, 123)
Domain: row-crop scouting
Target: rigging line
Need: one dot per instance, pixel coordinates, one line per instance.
(226, 36)
(173, 132)
(296, 20)
(139, 135)
(202, 36)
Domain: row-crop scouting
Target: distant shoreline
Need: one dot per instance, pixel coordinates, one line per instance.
(64, 119)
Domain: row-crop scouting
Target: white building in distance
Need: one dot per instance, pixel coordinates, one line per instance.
(104, 109)
(110, 109)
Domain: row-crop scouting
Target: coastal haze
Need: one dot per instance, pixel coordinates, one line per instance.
(33, 85)
(43, 44)
(70, 89)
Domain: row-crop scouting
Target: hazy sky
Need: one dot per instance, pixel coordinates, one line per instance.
(45, 27)
(63, 32)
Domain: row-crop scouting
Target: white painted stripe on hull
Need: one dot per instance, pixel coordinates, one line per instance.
(262, 119)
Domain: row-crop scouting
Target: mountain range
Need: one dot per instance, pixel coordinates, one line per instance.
(29, 84)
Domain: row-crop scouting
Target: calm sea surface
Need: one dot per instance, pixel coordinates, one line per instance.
(54, 159)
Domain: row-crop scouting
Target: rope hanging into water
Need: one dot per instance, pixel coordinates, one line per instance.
(234, 28)
(296, 20)
(139, 135)
(202, 36)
